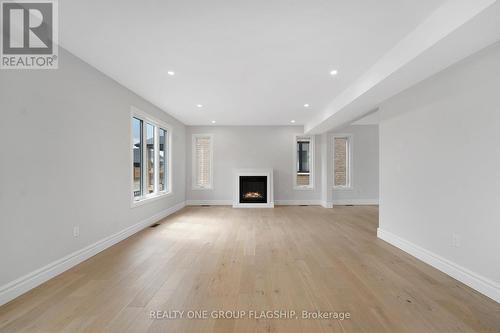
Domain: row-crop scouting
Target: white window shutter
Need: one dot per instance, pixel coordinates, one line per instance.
(203, 160)
(341, 162)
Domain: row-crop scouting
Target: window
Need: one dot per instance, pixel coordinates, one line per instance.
(342, 162)
(202, 161)
(150, 158)
(163, 160)
(303, 162)
(303, 157)
(137, 156)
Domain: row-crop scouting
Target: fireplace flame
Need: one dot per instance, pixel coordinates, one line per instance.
(252, 195)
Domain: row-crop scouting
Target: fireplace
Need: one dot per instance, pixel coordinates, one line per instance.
(253, 189)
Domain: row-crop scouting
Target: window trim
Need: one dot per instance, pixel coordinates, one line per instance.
(194, 186)
(350, 164)
(311, 138)
(146, 197)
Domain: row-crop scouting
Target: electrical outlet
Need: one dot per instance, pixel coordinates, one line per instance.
(456, 240)
(76, 231)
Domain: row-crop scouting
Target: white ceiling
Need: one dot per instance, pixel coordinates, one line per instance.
(248, 62)
(454, 31)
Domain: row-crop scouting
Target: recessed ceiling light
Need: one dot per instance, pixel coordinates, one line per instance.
(199, 105)
(171, 73)
(213, 121)
(306, 105)
(334, 72)
(292, 121)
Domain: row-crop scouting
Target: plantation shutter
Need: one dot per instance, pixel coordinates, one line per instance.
(341, 162)
(203, 154)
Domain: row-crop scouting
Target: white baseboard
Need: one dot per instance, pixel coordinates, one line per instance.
(462, 274)
(31, 280)
(230, 202)
(209, 202)
(297, 202)
(324, 204)
(355, 202)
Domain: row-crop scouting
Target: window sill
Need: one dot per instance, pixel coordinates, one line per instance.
(343, 188)
(143, 201)
(303, 188)
(197, 188)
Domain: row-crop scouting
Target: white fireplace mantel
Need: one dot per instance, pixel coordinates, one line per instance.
(253, 172)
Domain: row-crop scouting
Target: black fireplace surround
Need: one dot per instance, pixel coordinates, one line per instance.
(253, 189)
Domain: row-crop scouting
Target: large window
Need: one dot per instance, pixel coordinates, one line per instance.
(303, 162)
(202, 161)
(150, 158)
(342, 162)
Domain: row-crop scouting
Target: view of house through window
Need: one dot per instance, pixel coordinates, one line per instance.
(137, 156)
(303, 162)
(150, 159)
(341, 162)
(163, 159)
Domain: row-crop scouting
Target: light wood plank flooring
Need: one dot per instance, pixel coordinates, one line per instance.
(289, 258)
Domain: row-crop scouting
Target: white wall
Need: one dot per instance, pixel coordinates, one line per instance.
(440, 170)
(273, 147)
(365, 163)
(252, 147)
(65, 161)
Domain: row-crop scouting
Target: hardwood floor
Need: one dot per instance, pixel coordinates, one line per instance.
(287, 258)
